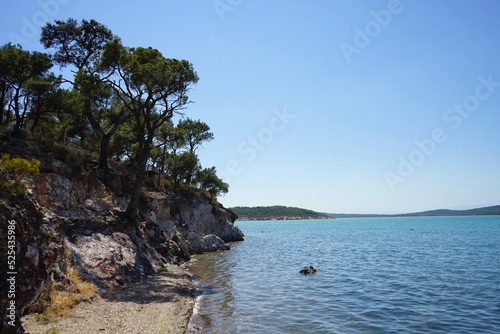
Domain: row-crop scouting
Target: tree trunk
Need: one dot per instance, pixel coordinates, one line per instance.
(82, 137)
(17, 125)
(142, 159)
(3, 100)
(103, 152)
(35, 123)
(133, 206)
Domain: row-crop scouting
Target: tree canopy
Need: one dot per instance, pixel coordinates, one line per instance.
(80, 46)
(152, 89)
(22, 76)
(124, 103)
(270, 212)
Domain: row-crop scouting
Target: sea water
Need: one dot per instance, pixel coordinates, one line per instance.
(374, 275)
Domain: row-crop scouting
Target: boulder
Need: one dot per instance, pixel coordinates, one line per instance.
(203, 217)
(207, 243)
(307, 270)
(213, 243)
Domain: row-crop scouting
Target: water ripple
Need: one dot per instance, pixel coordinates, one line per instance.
(410, 275)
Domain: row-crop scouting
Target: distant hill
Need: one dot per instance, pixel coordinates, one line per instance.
(279, 212)
(276, 212)
(486, 211)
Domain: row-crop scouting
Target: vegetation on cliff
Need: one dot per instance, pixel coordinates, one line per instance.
(118, 102)
(13, 171)
(99, 170)
(275, 212)
(71, 214)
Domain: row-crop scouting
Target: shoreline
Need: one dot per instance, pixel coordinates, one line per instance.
(162, 303)
(245, 218)
(195, 324)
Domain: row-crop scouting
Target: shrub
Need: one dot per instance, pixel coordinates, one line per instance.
(14, 170)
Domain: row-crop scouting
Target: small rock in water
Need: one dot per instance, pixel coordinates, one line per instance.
(308, 270)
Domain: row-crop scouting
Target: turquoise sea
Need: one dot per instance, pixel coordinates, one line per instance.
(375, 275)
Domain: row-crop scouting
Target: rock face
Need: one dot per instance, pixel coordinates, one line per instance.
(37, 248)
(206, 226)
(69, 215)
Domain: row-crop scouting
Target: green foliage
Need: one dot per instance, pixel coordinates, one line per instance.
(208, 181)
(77, 44)
(52, 330)
(123, 143)
(182, 167)
(173, 141)
(161, 270)
(22, 75)
(153, 89)
(14, 170)
(81, 45)
(194, 133)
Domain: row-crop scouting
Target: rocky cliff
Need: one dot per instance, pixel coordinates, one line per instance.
(74, 214)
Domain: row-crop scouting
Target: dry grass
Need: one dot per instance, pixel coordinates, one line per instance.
(52, 330)
(62, 302)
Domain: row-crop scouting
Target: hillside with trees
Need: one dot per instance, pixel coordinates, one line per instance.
(123, 104)
(485, 211)
(276, 212)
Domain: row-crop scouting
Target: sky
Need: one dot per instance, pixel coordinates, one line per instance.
(342, 106)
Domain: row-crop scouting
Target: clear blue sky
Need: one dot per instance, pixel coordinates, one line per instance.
(336, 106)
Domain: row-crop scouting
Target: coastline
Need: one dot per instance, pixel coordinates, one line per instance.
(245, 218)
(162, 303)
(197, 321)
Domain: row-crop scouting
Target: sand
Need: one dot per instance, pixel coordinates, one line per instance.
(163, 303)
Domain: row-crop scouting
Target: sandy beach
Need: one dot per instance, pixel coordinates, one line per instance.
(161, 304)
